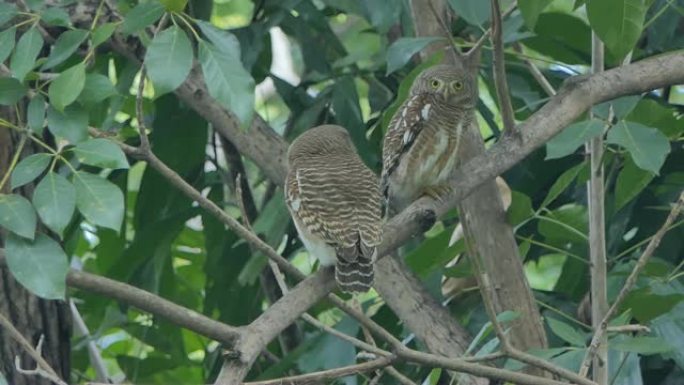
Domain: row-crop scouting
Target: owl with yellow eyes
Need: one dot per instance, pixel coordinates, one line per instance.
(423, 137)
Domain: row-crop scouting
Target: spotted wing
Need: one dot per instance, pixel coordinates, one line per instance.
(403, 129)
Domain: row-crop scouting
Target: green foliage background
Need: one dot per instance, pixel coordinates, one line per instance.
(118, 218)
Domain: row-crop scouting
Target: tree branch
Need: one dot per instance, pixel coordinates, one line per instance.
(319, 377)
(500, 82)
(597, 230)
(629, 283)
(151, 303)
(43, 369)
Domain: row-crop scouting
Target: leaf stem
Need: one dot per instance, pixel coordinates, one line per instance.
(13, 164)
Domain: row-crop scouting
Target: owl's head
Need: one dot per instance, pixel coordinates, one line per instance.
(328, 139)
(451, 84)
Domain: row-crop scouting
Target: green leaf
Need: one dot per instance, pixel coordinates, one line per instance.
(531, 9)
(67, 86)
(11, 90)
(562, 183)
(55, 17)
(227, 80)
(521, 208)
(55, 200)
(7, 12)
(99, 200)
(621, 107)
(40, 265)
(72, 124)
(6, 43)
(222, 39)
(100, 152)
(67, 43)
(475, 12)
(29, 169)
(647, 146)
(102, 33)
(573, 136)
(36, 113)
(97, 88)
(174, 5)
(169, 60)
(642, 345)
(17, 215)
(24, 58)
(630, 182)
(566, 332)
(402, 50)
(618, 23)
(141, 16)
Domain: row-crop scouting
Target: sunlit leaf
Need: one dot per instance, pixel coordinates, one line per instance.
(102, 33)
(531, 9)
(642, 345)
(39, 265)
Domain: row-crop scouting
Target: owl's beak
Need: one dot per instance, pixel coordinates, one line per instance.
(445, 92)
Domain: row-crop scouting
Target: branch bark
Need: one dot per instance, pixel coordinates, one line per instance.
(597, 231)
(499, 63)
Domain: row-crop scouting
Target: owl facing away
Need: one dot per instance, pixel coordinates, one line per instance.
(335, 202)
(419, 148)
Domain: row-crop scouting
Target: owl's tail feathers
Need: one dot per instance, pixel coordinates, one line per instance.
(356, 276)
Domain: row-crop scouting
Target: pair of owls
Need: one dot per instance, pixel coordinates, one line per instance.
(336, 201)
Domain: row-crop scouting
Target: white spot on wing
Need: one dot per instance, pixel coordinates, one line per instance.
(425, 112)
(408, 137)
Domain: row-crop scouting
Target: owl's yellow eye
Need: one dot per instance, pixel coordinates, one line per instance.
(435, 83)
(458, 85)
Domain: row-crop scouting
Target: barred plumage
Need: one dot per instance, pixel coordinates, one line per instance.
(335, 202)
(419, 149)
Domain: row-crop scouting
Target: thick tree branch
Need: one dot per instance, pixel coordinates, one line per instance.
(629, 283)
(151, 303)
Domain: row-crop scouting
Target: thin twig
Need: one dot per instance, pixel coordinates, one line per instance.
(480, 42)
(319, 377)
(43, 369)
(631, 279)
(635, 328)
(597, 230)
(500, 82)
(536, 73)
(93, 352)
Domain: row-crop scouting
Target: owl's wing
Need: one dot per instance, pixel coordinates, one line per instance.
(403, 129)
(313, 196)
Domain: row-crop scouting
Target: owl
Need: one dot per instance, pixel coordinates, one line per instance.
(419, 148)
(335, 202)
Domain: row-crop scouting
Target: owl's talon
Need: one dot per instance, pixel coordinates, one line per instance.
(438, 193)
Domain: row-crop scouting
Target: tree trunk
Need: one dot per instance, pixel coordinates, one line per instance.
(31, 315)
(483, 216)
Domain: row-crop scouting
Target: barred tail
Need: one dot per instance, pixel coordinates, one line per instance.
(354, 276)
